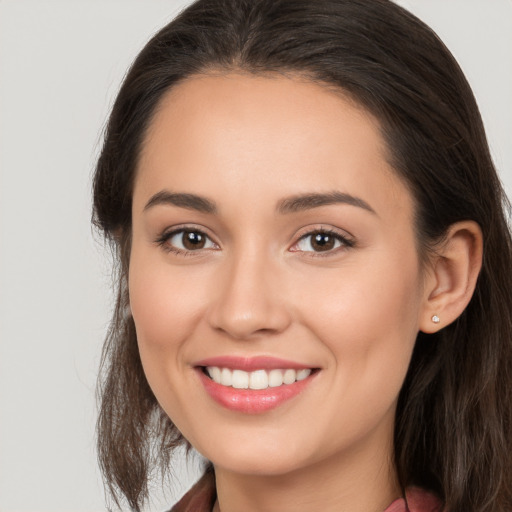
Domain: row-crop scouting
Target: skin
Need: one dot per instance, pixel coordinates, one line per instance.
(258, 288)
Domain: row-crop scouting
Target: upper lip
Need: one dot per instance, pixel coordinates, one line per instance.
(250, 364)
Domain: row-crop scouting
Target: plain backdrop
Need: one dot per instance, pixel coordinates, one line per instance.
(61, 63)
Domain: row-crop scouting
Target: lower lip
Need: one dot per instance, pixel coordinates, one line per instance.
(253, 401)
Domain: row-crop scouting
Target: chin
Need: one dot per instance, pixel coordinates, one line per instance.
(261, 458)
(256, 465)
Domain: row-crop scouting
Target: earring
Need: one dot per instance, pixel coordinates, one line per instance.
(436, 319)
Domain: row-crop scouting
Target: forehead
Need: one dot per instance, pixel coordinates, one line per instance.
(244, 136)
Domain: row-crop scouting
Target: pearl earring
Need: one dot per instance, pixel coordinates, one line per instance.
(436, 319)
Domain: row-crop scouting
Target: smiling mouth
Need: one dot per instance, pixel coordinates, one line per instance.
(253, 385)
(258, 379)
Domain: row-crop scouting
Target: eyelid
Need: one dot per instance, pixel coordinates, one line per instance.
(347, 240)
(163, 238)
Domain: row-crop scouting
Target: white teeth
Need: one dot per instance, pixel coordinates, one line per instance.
(275, 378)
(303, 374)
(215, 373)
(240, 379)
(289, 376)
(225, 377)
(259, 379)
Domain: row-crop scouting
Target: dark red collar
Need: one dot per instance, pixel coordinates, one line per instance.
(201, 498)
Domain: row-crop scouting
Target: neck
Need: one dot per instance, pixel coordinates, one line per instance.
(360, 481)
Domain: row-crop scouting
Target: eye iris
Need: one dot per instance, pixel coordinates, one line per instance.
(193, 240)
(322, 242)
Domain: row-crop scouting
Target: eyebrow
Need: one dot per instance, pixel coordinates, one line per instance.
(188, 201)
(308, 201)
(288, 205)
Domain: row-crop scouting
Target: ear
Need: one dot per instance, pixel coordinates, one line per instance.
(451, 279)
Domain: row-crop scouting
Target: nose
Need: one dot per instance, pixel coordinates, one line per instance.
(249, 302)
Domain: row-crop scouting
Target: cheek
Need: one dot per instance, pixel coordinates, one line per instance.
(165, 304)
(367, 317)
(381, 296)
(166, 307)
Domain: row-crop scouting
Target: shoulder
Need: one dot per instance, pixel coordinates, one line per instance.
(416, 500)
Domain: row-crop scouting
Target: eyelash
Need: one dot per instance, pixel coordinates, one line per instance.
(166, 236)
(345, 243)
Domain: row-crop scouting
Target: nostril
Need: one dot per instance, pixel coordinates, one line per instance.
(253, 321)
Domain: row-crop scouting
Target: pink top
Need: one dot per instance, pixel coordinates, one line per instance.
(418, 500)
(201, 498)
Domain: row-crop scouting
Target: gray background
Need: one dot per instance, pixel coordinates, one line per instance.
(61, 63)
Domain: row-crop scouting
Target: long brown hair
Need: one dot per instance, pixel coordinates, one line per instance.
(453, 422)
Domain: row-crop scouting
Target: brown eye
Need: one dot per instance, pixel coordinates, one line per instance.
(193, 240)
(322, 241)
(189, 240)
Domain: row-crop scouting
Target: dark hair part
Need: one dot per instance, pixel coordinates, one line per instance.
(453, 422)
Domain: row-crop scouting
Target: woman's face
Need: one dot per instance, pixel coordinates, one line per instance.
(273, 248)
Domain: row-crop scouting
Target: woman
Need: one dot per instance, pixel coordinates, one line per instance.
(314, 266)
